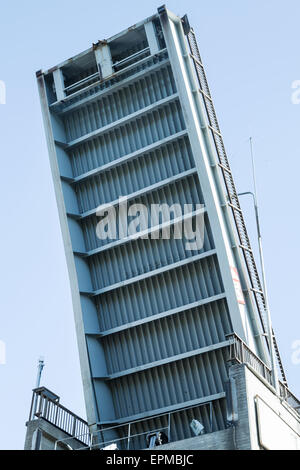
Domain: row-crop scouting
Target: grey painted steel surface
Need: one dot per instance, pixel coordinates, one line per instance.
(125, 118)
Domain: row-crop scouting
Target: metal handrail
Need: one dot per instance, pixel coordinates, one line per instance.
(240, 352)
(289, 397)
(131, 57)
(129, 437)
(45, 405)
(82, 81)
(169, 414)
(113, 76)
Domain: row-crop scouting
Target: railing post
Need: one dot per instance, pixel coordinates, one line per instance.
(128, 438)
(56, 415)
(74, 426)
(169, 427)
(210, 416)
(39, 412)
(32, 407)
(236, 349)
(46, 409)
(242, 352)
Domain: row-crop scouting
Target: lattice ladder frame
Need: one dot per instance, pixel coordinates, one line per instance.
(233, 199)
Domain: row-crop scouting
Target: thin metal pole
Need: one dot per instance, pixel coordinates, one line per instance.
(260, 246)
(32, 410)
(41, 365)
(128, 442)
(210, 416)
(169, 427)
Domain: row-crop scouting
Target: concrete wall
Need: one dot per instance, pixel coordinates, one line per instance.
(42, 435)
(283, 413)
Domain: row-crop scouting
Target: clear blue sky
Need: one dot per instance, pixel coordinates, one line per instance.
(251, 53)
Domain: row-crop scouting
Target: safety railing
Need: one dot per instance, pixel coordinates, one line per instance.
(131, 59)
(289, 397)
(45, 404)
(82, 83)
(241, 353)
(147, 432)
(97, 84)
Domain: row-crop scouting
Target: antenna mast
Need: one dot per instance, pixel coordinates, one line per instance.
(267, 308)
(41, 365)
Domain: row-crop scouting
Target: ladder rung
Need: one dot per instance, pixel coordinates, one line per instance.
(225, 168)
(214, 130)
(246, 248)
(196, 60)
(257, 291)
(205, 95)
(235, 207)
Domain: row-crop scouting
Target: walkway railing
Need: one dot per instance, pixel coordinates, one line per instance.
(45, 404)
(133, 436)
(289, 397)
(240, 352)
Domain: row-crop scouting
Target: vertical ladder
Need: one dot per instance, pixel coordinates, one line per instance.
(233, 200)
